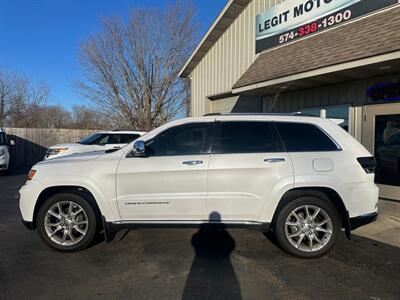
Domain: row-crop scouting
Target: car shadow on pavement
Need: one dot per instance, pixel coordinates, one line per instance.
(212, 274)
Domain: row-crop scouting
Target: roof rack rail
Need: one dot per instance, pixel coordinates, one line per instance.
(259, 114)
(122, 129)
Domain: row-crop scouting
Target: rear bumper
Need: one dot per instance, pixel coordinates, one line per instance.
(360, 198)
(362, 220)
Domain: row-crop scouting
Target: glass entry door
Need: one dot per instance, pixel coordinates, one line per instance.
(381, 135)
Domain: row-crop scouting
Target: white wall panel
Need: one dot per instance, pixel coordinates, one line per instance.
(228, 59)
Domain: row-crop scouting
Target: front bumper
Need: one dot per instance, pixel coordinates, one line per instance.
(29, 193)
(4, 160)
(28, 225)
(362, 220)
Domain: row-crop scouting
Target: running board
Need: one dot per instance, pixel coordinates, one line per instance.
(110, 228)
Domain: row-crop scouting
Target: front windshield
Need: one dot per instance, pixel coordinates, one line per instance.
(90, 139)
(3, 140)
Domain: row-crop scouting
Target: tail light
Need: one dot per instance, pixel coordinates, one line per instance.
(368, 164)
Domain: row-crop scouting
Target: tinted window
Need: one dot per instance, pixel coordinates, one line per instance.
(181, 140)
(91, 139)
(2, 138)
(246, 137)
(301, 137)
(114, 139)
(102, 140)
(127, 138)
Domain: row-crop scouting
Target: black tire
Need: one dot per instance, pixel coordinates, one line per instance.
(88, 210)
(280, 224)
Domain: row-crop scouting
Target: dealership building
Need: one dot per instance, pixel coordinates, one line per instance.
(339, 58)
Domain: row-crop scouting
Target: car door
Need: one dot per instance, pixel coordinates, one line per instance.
(247, 161)
(169, 183)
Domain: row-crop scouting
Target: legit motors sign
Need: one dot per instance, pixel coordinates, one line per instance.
(294, 19)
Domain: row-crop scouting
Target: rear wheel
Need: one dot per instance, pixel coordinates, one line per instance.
(307, 227)
(66, 222)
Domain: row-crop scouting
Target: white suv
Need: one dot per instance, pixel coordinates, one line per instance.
(99, 141)
(4, 153)
(303, 178)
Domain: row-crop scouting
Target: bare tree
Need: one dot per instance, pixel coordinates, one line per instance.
(86, 118)
(53, 116)
(20, 100)
(56, 116)
(7, 80)
(26, 102)
(23, 104)
(131, 69)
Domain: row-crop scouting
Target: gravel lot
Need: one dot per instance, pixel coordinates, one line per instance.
(188, 264)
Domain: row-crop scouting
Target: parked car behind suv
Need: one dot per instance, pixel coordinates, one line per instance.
(302, 178)
(4, 153)
(96, 142)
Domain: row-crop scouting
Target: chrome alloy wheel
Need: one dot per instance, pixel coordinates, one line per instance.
(66, 223)
(308, 228)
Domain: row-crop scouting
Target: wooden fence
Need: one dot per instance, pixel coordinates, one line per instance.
(31, 143)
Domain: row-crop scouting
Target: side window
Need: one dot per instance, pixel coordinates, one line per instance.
(127, 138)
(185, 139)
(114, 139)
(101, 140)
(303, 137)
(246, 137)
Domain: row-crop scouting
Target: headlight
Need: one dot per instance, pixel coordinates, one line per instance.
(55, 151)
(31, 174)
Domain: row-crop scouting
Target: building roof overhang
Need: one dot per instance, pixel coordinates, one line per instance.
(364, 48)
(376, 66)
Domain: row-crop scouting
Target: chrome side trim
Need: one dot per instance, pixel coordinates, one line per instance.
(188, 222)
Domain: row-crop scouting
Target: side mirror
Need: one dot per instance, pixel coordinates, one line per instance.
(139, 148)
(12, 143)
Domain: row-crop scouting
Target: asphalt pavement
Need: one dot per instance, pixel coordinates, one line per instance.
(186, 264)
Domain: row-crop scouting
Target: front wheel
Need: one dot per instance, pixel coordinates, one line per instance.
(307, 227)
(66, 222)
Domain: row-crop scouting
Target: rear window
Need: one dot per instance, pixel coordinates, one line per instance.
(246, 137)
(302, 137)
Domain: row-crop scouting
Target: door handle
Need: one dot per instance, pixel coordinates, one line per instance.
(274, 160)
(193, 162)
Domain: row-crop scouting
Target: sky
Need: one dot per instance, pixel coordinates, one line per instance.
(41, 38)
